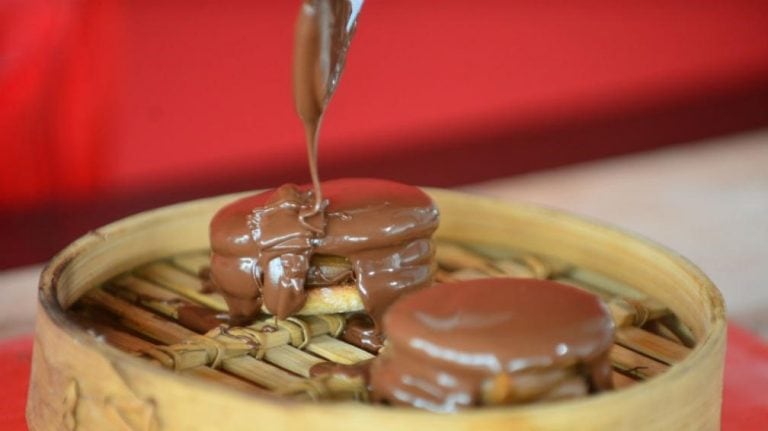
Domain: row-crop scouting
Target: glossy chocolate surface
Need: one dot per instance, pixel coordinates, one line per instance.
(496, 340)
(361, 331)
(262, 251)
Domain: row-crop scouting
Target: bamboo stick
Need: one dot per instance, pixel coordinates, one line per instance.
(114, 336)
(182, 283)
(192, 263)
(513, 268)
(167, 303)
(239, 363)
(226, 379)
(621, 381)
(681, 331)
(651, 345)
(140, 320)
(292, 359)
(339, 387)
(146, 294)
(337, 351)
(452, 256)
(497, 254)
(658, 328)
(468, 274)
(240, 341)
(605, 284)
(260, 372)
(149, 295)
(539, 268)
(138, 347)
(457, 258)
(143, 288)
(632, 363)
(488, 251)
(628, 306)
(442, 276)
(625, 312)
(634, 313)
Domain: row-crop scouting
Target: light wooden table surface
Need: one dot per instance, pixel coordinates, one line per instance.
(709, 202)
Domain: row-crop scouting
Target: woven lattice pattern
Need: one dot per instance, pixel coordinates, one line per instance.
(156, 310)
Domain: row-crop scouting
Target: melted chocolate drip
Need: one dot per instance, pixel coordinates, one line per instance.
(206, 285)
(360, 331)
(495, 341)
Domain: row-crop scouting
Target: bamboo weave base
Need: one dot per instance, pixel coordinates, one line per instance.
(138, 312)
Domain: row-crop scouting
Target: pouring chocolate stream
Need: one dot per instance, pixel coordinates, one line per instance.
(324, 30)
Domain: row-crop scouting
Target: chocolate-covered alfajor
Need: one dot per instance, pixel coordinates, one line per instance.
(490, 342)
(373, 238)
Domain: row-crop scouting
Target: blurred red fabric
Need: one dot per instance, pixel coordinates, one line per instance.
(28, 33)
(745, 407)
(104, 95)
(107, 108)
(52, 101)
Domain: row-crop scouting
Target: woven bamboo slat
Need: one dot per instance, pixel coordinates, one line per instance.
(111, 325)
(193, 263)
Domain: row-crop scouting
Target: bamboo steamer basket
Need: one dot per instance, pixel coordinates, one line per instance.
(79, 382)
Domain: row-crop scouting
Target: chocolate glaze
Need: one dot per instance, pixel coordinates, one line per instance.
(361, 370)
(361, 332)
(261, 251)
(496, 341)
(206, 286)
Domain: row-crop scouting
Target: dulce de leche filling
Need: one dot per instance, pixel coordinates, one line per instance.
(262, 248)
(492, 341)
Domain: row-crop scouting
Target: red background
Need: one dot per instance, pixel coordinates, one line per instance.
(107, 108)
